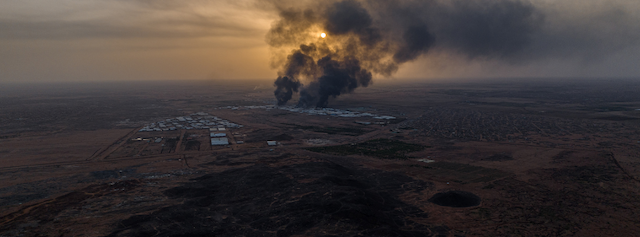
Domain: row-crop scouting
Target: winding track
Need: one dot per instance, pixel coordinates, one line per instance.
(101, 155)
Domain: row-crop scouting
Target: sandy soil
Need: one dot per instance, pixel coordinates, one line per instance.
(542, 162)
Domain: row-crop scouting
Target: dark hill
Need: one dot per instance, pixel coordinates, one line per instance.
(311, 199)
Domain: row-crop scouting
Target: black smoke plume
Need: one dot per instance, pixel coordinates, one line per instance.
(367, 37)
(337, 77)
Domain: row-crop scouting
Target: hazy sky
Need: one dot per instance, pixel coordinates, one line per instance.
(97, 40)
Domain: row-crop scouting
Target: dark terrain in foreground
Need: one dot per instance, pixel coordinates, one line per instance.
(501, 158)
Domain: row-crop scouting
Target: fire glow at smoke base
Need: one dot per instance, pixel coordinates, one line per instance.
(374, 37)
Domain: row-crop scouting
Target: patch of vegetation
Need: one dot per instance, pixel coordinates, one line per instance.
(605, 144)
(350, 131)
(499, 157)
(420, 166)
(617, 118)
(234, 103)
(192, 145)
(562, 155)
(548, 212)
(282, 137)
(342, 131)
(407, 128)
(489, 186)
(464, 173)
(606, 108)
(170, 144)
(9, 136)
(587, 174)
(459, 92)
(380, 148)
(503, 104)
(484, 213)
(397, 120)
(511, 104)
(449, 148)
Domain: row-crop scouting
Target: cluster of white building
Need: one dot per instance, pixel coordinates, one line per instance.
(198, 120)
(219, 141)
(313, 111)
(218, 138)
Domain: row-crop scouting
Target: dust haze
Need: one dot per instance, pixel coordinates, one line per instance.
(202, 40)
(309, 118)
(189, 157)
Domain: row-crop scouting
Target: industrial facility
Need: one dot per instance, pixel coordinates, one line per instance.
(200, 120)
(313, 111)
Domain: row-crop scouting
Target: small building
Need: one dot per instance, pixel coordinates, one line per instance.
(426, 160)
(385, 117)
(221, 141)
(222, 129)
(213, 129)
(158, 140)
(218, 134)
(272, 143)
(363, 122)
(239, 142)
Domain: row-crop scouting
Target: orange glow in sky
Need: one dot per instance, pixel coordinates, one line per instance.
(106, 40)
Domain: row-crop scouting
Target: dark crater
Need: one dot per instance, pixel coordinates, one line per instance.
(311, 199)
(455, 199)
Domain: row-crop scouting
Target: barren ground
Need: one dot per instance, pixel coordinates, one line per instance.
(545, 158)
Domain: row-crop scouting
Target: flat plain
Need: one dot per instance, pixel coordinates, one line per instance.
(541, 157)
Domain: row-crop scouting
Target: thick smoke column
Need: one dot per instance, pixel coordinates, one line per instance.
(375, 36)
(337, 77)
(298, 63)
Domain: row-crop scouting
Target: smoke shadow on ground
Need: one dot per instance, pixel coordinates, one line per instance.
(303, 199)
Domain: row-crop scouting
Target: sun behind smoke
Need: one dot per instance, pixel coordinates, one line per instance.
(323, 35)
